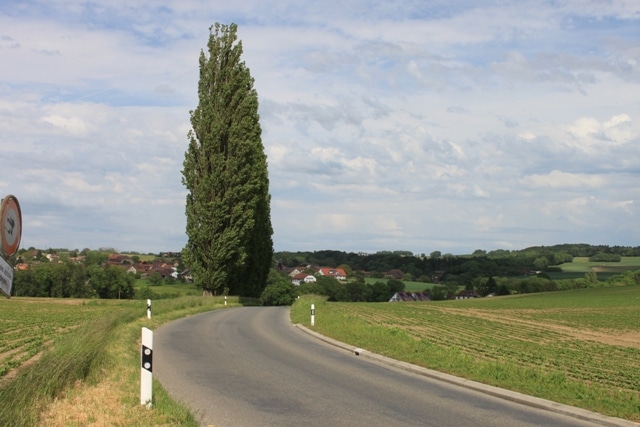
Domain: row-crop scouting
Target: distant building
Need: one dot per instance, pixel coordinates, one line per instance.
(336, 273)
(467, 294)
(410, 296)
(298, 279)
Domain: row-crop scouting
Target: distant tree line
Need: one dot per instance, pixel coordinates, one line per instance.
(605, 257)
(280, 291)
(499, 272)
(71, 280)
(463, 269)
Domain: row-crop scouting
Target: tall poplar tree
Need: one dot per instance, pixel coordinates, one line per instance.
(225, 171)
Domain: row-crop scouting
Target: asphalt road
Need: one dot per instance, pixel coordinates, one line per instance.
(251, 367)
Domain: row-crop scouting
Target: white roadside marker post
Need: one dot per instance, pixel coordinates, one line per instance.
(148, 309)
(313, 314)
(146, 360)
(225, 300)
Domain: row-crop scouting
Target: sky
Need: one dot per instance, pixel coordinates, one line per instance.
(412, 125)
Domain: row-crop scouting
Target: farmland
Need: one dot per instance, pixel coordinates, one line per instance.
(76, 362)
(575, 347)
(30, 325)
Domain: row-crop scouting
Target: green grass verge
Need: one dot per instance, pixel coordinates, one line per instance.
(573, 347)
(144, 288)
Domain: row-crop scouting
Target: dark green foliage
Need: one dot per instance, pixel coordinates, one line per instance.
(68, 280)
(380, 292)
(279, 290)
(357, 291)
(536, 284)
(438, 293)
(488, 287)
(335, 290)
(624, 279)
(111, 282)
(155, 278)
(395, 285)
(225, 172)
(94, 257)
(604, 257)
(503, 290)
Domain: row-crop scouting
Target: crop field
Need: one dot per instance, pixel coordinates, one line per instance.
(580, 348)
(30, 325)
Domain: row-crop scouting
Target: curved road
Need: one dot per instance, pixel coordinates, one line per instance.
(251, 367)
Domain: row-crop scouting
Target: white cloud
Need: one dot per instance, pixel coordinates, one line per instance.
(563, 180)
(590, 135)
(423, 126)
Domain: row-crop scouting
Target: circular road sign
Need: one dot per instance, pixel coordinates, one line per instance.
(10, 225)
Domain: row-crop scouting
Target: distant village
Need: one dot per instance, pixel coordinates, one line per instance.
(128, 262)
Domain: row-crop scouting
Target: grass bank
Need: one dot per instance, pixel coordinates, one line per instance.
(575, 347)
(90, 374)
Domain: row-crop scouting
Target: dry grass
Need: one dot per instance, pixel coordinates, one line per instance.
(88, 405)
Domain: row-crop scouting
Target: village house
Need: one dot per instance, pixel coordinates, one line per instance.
(117, 259)
(410, 296)
(467, 294)
(300, 278)
(336, 273)
(52, 257)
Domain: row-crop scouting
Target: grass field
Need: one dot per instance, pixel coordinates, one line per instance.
(409, 286)
(578, 347)
(168, 290)
(30, 325)
(604, 270)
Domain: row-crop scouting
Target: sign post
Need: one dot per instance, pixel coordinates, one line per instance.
(313, 314)
(10, 234)
(6, 278)
(146, 360)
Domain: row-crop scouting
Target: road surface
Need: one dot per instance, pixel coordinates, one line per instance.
(251, 367)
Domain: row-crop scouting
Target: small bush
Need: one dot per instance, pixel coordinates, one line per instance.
(279, 290)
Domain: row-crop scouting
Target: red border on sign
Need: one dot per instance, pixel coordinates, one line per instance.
(8, 203)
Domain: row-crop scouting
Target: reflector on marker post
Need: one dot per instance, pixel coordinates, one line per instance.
(146, 361)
